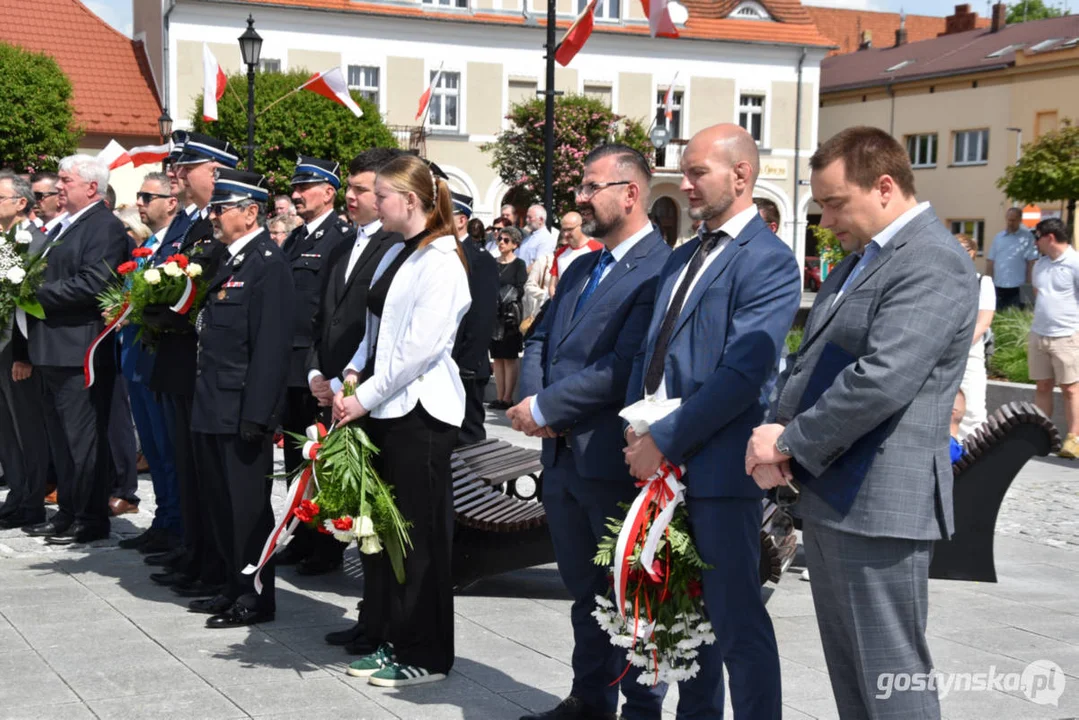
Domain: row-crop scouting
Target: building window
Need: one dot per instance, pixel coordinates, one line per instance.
(751, 115)
(269, 65)
(971, 147)
(922, 150)
(447, 3)
(364, 80)
(599, 92)
(971, 228)
(444, 101)
(750, 11)
(605, 9)
(675, 126)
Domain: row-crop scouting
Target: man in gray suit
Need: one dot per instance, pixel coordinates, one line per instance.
(903, 307)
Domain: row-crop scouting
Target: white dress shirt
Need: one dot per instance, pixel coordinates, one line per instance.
(313, 225)
(66, 220)
(239, 245)
(47, 227)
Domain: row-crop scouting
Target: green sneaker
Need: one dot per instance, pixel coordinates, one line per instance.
(370, 664)
(399, 675)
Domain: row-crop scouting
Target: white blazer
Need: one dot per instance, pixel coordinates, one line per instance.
(424, 305)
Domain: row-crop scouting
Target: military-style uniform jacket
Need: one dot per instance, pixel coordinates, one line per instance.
(244, 340)
(308, 254)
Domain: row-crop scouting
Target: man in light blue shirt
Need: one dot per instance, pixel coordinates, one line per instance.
(540, 241)
(1011, 259)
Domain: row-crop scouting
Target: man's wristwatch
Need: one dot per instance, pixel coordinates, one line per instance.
(782, 447)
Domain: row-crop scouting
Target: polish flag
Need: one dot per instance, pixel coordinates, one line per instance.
(576, 36)
(668, 101)
(659, 18)
(213, 84)
(114, 155)
(331, 84)
(146, 154)
(425, 99)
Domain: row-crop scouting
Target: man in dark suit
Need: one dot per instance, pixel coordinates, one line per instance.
(24, 444)
(81, 252)
(245, 334)
(573, 380)
(308, 249)
(196, 569)
(470, 351)
(725, 302)
(341, 318)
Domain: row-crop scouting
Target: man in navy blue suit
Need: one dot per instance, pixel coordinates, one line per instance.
(576, 366)
(725, 302)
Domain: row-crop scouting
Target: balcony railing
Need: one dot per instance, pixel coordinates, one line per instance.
(411, 137)
(670, 157)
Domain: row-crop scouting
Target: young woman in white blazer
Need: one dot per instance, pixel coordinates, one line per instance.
(410, 391)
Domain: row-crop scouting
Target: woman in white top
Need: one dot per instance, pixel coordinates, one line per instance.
(974, 378)
(410, 390)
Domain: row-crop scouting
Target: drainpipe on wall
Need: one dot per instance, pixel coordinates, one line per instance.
(891, 115)
(797, 148)
(165, 59)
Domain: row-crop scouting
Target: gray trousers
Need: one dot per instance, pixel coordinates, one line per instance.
(871, 596)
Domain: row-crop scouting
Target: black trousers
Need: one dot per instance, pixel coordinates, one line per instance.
(123, 450)
(81, 451)
(1008, 297)
(417, 617)
(237, 476)
(302, 410)
(24, 442)
(472, 430)
(203, 558)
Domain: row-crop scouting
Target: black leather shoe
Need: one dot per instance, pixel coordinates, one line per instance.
(238, 616)
(361, 646)
(20, 519)
(134, 543)
(572, 708)
(197, 589)
(344, 637)
(45, 529)
(210, 606)
(77, 534)
(162, 542)
(170, 578)
(165, 558)
(316, 565)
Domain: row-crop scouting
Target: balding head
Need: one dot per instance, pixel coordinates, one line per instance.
(572, 234)
(720, 166)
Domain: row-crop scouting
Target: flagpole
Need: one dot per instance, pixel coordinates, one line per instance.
(288, 94)
(548, 123)
(427, 110)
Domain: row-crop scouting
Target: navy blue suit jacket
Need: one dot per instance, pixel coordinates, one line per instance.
(578, 367)
(723, 351)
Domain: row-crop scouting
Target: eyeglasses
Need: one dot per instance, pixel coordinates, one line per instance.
(587, 190)
(9, 197)
(148, 197)
(223, 208)
(39, 196)
(508, 241)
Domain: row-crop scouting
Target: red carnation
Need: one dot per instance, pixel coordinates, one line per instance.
(141, 252)
(127, 267)
(342, 523)
(322, 529)
(307, 511)
(180, 260)
(693, 588)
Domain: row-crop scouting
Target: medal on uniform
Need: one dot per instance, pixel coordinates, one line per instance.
(222, 295)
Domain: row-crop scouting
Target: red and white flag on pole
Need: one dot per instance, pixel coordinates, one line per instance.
(146, 154)
(114, 155)
(425, 99)
(331, 84)
(577, 35)
(668, 101)
(213, 84)
(659, 18)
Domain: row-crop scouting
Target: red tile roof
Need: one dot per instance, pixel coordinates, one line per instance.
(787, 11)
(698, 27)
(844, 27)
(114, 86)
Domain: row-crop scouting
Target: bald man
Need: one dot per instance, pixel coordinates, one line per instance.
(724, 304)
(573, 244)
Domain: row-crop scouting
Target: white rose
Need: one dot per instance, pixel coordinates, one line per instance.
(173, 270)
(194, 270)
(16, 275)
(23, 237)
(366, 527)
(152, 276)
(370, 545)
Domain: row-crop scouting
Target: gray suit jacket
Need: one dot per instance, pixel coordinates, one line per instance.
(909, 319)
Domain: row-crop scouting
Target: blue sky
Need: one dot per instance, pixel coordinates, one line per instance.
(118, 12)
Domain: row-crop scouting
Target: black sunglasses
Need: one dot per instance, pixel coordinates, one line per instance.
(39, 196)
(148, 197)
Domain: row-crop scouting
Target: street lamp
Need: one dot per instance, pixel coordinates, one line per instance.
(164, 125)
(250, 48)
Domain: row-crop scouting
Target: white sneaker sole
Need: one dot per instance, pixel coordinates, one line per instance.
(387, 682)
(362, 673)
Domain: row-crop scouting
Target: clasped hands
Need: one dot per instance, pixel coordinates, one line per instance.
(347, 409)
(764, 462)
(521, 417)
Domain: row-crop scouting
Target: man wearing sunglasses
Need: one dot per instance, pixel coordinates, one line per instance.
(46, 199)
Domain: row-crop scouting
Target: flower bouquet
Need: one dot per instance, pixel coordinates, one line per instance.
(21, 274)
(177, 283)
(338, 492)
(654, 608)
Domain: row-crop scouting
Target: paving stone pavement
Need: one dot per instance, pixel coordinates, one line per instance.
(85, 634)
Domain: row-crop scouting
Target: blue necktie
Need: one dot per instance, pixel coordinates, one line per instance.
(605, 259)
(868, 255)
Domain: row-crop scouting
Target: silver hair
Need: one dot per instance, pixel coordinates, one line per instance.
(21, 188)
(541, 211)
(158, 177)
(89, 168)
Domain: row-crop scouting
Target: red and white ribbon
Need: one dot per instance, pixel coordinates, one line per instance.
(186, 299)
(302, 489)
(88, 358)
(665, 490)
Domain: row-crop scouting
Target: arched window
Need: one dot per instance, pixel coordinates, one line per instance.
(750, 10)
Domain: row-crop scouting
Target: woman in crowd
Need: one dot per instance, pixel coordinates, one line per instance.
(410, 387)
(279, 229)
(507, 342)
(974, 378)
(477, 233)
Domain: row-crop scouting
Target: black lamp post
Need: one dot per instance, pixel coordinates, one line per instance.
(250, 48)
(164, 125)
(548, 116)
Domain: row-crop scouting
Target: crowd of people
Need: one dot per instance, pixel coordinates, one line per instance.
(413, 301)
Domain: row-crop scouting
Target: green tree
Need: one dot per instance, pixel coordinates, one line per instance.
(580, 124)
(37, 125)
(1025, 10)
(1048, 170)
(304, 122)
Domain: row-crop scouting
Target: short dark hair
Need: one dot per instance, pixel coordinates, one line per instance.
(514, 235)
(628, 159)
(44, 175)
(1054, 227)
(768, 210)
(372, 160)
(1013, 209)
(867, 154)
